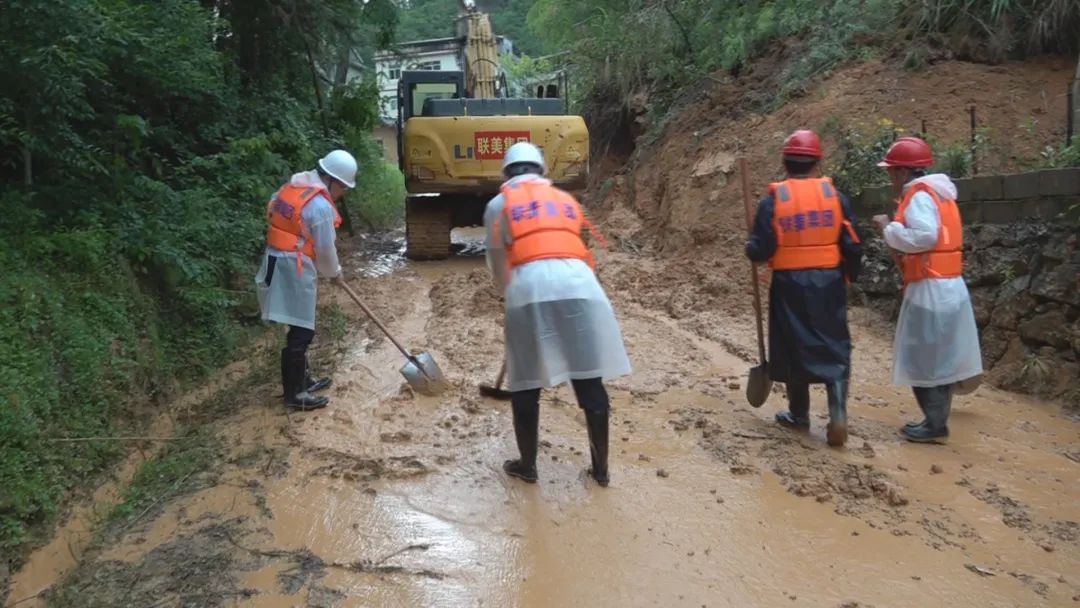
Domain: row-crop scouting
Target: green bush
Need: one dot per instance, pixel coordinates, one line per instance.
(853, 165)
(139, 143)
(1057, 158)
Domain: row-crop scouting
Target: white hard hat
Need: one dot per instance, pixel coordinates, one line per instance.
(523, 152)
(341, 166)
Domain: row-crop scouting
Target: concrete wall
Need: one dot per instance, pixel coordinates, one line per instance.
(996, 199)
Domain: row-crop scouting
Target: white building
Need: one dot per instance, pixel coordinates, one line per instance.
(444, 54)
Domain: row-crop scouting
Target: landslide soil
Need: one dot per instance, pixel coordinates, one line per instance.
(388, 498)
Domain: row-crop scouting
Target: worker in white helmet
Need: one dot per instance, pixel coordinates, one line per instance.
(299, 248)
(560, 325)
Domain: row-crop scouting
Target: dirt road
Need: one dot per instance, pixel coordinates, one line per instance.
(391, 499)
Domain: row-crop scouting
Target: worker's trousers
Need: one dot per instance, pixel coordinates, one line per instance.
(591, 396)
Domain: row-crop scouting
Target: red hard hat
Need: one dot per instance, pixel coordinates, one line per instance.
(908, 152)
(803, 142)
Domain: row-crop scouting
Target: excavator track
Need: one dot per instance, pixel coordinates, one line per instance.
(427, 229)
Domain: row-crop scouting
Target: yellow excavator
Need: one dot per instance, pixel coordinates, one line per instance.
(453, 128)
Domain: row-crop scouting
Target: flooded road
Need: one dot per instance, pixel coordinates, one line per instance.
(387, 498)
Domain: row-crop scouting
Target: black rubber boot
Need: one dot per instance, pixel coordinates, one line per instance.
(294, 375)
(911, 425)
(924, 434)
(526, 432)
(313, 385)
(597, 424)
(798, 414)
(936, 404)
(836, 432)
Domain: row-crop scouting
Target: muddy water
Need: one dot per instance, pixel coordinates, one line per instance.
(390, 499)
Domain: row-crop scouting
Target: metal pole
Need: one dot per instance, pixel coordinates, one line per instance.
(974, 147)
(1070, 115)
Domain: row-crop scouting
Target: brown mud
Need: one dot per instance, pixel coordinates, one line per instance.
(393, 499)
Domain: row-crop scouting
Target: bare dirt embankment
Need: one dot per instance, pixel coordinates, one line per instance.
(394, 499)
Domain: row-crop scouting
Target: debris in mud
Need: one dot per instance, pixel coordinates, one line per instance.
(935, 469)
(980, 570)
(1013, 513)
(306, 567)
(867, 450)
(358, 468)
(662, 473)
(197, 569)
(850, 484)
(1036, 585)
(379, 567)
(396, 437)
(643, 458)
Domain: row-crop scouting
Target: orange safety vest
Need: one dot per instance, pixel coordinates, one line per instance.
(544, 223)
(285, 214)
(807, 220)
(945, 260)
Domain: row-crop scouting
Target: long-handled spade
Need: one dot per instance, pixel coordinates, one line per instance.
(497, 391)
(421, 371)
(758, 385)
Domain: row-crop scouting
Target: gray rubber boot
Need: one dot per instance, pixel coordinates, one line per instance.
(936, 403)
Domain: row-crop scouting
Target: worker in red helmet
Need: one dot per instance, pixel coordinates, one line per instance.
(937, 342)
(805, 230)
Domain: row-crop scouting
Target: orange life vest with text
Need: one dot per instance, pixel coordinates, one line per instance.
(285, 214)
(544, 223)
(945, 260)
(807, 220)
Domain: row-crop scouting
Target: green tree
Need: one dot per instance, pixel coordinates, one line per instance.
(138, 145)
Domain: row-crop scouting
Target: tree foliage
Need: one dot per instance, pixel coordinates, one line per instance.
(139, 142)
(688, 39)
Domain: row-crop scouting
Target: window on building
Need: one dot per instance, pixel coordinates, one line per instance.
(432, 66)
(394, 73)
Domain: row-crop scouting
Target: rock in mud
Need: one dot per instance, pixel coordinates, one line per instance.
(397, 437)
(935, 469)
(662, 473)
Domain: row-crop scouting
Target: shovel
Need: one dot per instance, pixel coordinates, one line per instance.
(421, 371)
(758, 385)
(497, 391)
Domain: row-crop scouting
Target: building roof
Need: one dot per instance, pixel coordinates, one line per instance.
(422, 46)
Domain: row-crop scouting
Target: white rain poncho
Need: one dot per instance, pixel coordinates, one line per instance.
(560, 325)
(937, 341)
(290, 298)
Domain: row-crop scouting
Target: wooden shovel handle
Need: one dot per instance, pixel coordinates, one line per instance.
(375, 320)
(748, 204)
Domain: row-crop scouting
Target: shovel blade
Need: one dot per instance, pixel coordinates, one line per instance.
(758, 385)
(424, 375)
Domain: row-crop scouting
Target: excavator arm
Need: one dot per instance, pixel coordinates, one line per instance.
(481, 53)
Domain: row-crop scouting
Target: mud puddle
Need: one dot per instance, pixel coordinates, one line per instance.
(391, 499)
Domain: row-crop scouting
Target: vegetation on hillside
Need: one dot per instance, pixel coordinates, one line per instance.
(693, 39)
(139, 143)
